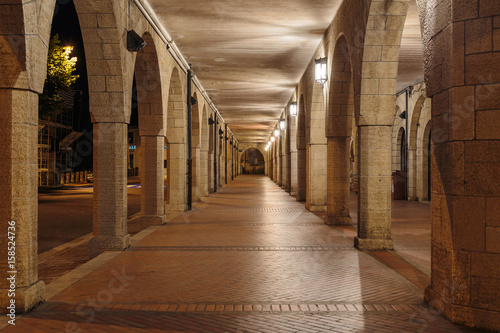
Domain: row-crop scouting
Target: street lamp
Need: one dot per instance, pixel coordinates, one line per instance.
(321, 70)
(293, 109)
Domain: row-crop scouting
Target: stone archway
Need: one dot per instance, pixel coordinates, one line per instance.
(339, 120)
(196, 149)
(301, 150)
(150, 109)
(204, 153)
(252, 162)
(176, 147)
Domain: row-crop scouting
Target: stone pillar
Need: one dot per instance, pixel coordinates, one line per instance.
(374, 199)
(204, 176)
(177, 182)
(152, 196)
(412, 174)
(110, 188)
(196, 174)
(464, 84)
(293, 172)
(338, 182)
(316, 198)
(19, 203)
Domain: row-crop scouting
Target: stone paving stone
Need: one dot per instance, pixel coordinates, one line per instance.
(247, 259)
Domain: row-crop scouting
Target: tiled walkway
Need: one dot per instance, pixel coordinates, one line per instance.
(247, 259)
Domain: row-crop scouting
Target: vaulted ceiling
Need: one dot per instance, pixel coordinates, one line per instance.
(250, 55)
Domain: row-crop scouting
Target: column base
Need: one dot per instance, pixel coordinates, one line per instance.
(142, 222)
(315, 208)
(100, 244)
(26, 297)
(463, 315)
(364, 244)
(338, 220)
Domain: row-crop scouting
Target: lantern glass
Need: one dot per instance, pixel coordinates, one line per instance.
(273, 138)
(293, 109)
(282, 124)
(276, 132)
(321, 70)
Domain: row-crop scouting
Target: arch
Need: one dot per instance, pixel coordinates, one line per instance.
(176, 147)
(288, 154)
(252, 161)
(150, 110)
(423, 170)
(204, 155)
(301, 150)
(412, 147)
(149, 90)
(338, 131)
(196, 148)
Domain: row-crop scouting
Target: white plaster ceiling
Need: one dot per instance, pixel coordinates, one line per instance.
(250, 54)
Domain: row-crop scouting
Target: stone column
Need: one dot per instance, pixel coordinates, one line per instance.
(110, 188)
(152, 196)
(196, 174)
(412, 174)
(177, 180)
(338, 182)
(19, 203)
(316, 198)
(464, 84)
(204, 176)
(374, 199)
(293, 173)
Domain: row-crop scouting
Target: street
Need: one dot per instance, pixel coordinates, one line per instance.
(65, 213)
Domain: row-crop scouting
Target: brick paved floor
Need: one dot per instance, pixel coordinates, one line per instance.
(247, 259)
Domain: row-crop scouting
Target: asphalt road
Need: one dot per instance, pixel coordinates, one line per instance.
(65, 213)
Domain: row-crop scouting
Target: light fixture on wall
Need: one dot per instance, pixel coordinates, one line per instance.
(321, 71)
(269, 142)
(134, 42)
(282, 124)
(221, 131)
(267, 148)
(211, 121)
(273, 138)
(193, 100)
(403, 115)
(276, 132)
(293, 109)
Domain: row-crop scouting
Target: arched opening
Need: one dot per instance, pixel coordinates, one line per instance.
(301, 150)
(196, 151)
(339, 122)
(204, 155)
(288, 156)
(252, 162)
(176, 147)
(412, 155)
(151, 143)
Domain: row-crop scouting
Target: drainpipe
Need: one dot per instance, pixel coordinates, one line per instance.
(406, 144)
(189, 142)
(225, 153)
(216, 133)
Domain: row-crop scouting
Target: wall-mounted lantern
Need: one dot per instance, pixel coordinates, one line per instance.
(276, 132)
(293, 109)
(321, 70)
(282, 124)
